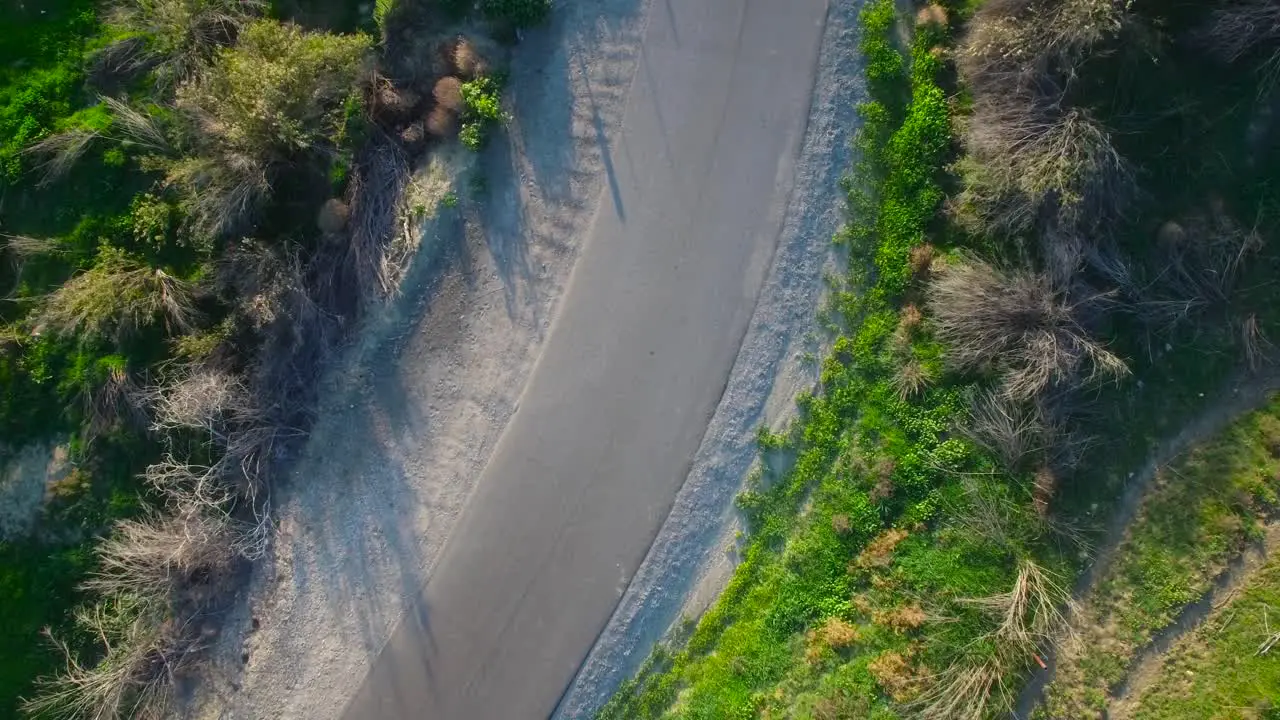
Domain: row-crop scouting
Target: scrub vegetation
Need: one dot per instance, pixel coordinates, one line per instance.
(1060, 231)
(199, 201)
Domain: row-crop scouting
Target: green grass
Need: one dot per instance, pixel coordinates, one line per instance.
(1201, 511)
(1217, 672)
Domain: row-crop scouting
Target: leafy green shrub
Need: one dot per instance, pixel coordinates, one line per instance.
(884, 64)
(279, 92)
(516, 13)
(481, 109)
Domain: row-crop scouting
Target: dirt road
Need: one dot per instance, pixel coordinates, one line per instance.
(633, 368)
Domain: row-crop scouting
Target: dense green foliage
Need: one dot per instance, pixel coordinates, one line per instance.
(481, 110)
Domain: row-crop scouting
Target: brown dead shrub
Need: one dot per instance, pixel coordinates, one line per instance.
(838, 634)
(1044, 487)
(897, 676)
(901, 619)
(834, 634)
(468, 61)
(1017, 325)
(393, 105)
(932, 14)
(883, 489)
(333, 216)
(879, 552)
(442, 122)
(448, 94)
(921, 260)
(840, 524)
(909, 319)
(414, 136)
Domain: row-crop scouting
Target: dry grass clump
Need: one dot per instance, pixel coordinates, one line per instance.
(1015, 324)
(1032, 161)
(184, 35)
(1027, 616)
(1203, 257)
(1032, 611)
(60, 152)
(1011, 431)
(1016, 45)
(143, 651)
(117, 398)
(179, 559)
(115, 299)
(911, 379)
(1236, 29)
(374, 192)
(1258, 350)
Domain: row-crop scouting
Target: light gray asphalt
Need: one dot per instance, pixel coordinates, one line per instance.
(632, 370)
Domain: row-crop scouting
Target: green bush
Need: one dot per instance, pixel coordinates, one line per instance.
(516, 13)
(279, 93)
(280, 90)
(481, 109)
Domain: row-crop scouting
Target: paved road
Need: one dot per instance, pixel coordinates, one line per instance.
(632, 370)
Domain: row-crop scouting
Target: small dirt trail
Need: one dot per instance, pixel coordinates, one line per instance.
(1241, 394)
(1147, 667)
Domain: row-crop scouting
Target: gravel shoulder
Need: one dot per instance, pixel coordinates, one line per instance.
(412, 411)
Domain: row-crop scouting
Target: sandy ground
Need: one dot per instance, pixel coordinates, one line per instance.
(414, 409)
(25, 477)
(691, 559)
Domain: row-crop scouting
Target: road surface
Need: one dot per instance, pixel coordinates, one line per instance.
(633, 368)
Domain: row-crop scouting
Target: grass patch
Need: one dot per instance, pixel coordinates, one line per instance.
(1201, 512)
(1220, 671)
